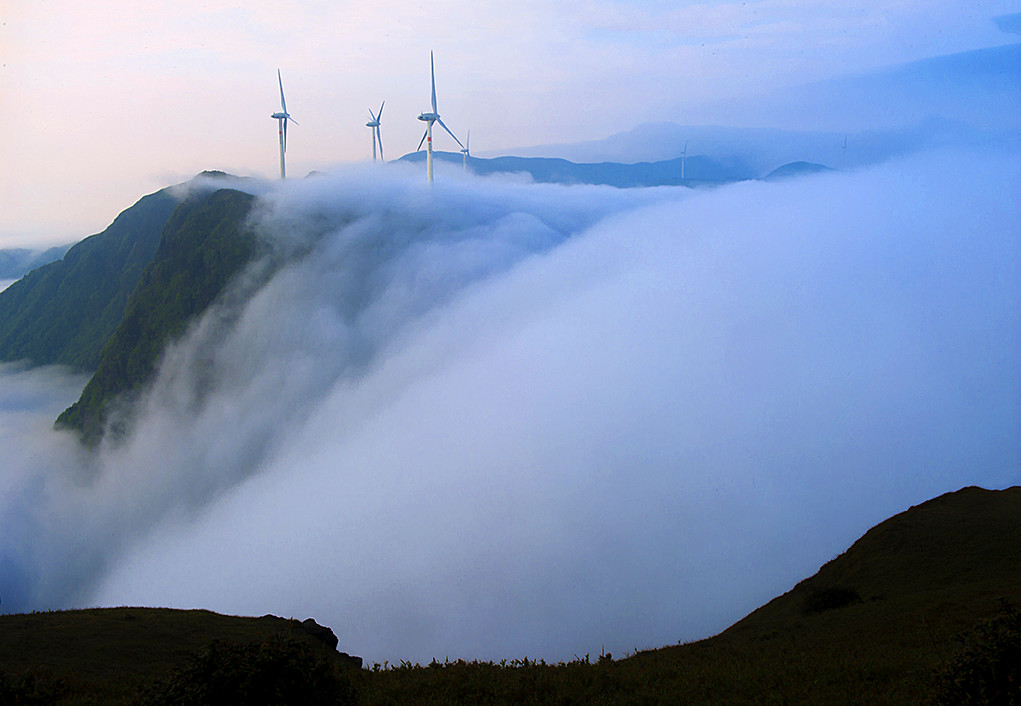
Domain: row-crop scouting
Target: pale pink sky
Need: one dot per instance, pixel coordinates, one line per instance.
(107, 101)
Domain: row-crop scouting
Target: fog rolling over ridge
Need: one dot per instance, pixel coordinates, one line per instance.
(499, 419)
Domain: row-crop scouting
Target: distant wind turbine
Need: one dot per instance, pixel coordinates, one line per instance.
(282, 117)
(467, 157)
(684, 157)
(429, 119)
(376, 137)
(843, 153)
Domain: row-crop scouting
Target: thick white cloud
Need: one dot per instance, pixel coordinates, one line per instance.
(498, 419)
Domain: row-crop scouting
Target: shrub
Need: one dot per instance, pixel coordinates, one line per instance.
(31, 689)
(278, 671)
(987, 668)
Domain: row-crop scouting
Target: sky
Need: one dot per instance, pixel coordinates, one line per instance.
(108, 101)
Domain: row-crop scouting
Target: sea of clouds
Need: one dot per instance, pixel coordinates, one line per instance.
(493, 419)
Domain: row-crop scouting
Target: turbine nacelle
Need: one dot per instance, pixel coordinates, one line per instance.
(429, 119)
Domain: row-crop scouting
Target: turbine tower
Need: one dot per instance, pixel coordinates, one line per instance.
(282, 117)
(429, 119)
(467, 157)
(684, 157)
(376, 137)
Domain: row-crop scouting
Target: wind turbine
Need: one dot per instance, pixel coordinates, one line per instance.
(282, 117)
(465, 151)
(684, 157)
(376, 137)
(429, 119)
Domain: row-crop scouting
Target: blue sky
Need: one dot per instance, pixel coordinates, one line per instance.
(107, 101)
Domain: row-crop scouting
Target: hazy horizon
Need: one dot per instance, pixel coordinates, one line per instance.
(113, 101)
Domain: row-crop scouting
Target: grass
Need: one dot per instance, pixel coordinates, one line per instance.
(875, 625)
(106, 654)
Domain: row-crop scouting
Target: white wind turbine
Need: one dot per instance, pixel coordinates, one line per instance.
(684, 157)
(429, 119)
(376, 137)
(282, 117)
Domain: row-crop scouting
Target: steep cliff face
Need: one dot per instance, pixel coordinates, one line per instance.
(204, 243)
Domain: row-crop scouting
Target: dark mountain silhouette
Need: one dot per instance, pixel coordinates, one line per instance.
(793, 169)
(698, 170)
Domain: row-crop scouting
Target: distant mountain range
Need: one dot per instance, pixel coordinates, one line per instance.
(967, 98)
(697, 170)
(16, 262)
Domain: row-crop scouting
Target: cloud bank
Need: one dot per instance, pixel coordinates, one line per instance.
(499, 419)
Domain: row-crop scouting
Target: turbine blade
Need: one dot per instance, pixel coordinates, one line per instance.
(285, 133)
(283, 105)
(380, 113)
(372, 117)
(432, 71)
(423, 139)
(449, 132)
(379, 139)
(292, 119)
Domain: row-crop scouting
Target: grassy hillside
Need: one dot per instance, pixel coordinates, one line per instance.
(105, 655)
(204, 243)
(876, 625)
(65, 311)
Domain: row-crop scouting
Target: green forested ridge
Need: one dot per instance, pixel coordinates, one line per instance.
(65, 311)
(204, 243)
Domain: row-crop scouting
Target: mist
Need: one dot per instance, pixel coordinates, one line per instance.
(496, 419)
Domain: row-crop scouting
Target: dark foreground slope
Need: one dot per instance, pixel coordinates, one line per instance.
(877, 625)
(874, 626)
(106, 656)
(204, 243)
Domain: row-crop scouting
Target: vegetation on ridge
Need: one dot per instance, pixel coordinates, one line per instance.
(64, 312)
(204, 243)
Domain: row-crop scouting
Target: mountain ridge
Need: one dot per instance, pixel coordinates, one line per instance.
(203, 244)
